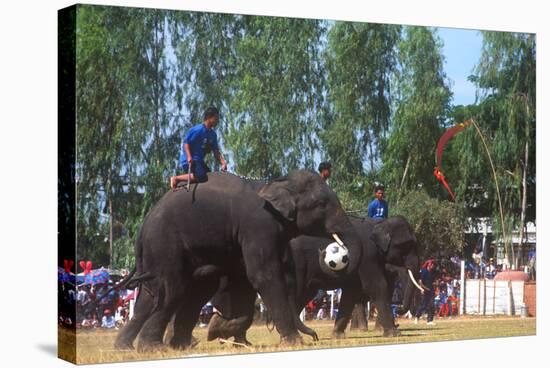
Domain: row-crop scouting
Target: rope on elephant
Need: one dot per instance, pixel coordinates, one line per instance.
(247, 177)
(356, 214)
(234, 343)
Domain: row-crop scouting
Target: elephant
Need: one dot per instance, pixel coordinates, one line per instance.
(390, 251)
(231, 226)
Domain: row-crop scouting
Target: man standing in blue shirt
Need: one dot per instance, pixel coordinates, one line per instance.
(378, 208)
(427, 277)
(199, 140)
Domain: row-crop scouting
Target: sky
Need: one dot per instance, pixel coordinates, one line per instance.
(462, 49)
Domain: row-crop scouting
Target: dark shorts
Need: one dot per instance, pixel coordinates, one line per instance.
(199, 169)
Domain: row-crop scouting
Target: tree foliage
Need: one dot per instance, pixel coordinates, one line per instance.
(422, 105)
(372, 99)
(505, 76)
(438, 224)
(360, 61)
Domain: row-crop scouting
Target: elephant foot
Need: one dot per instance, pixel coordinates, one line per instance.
(217, 328)
(124, 345)
(150, 346)
(183, 345)
(338, 335)
(392, 332)
(242, 340)
(291, 340)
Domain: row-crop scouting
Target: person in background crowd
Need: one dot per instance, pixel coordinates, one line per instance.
(120, 317)
(443, 307)
(82, 295)
(452, 304)
(108, 321)
(490, 269)
(323, 306)
(450, 286)
(90, 321)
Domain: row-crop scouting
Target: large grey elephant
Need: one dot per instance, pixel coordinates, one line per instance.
(390, 251)
(228, 226)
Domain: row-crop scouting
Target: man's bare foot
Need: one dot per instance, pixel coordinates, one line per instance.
(173, 182)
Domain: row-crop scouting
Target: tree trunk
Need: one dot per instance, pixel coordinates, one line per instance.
(358, 318)
(406, 170)
(371, 154)
(403, 178)
(110, 233)
(523, 203)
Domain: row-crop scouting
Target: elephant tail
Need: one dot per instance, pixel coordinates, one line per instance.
(124, 282)
(298, 322)
(136, 276)
(135, 281)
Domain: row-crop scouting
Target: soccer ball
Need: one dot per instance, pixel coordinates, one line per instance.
(336, 257)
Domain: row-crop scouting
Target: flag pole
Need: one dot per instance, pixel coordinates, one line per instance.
(496, 185)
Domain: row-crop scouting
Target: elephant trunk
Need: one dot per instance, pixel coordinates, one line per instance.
(409, 276)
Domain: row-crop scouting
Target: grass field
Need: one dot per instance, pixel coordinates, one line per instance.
(97, 346)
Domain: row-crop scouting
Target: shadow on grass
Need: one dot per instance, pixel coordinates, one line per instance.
(49, 349)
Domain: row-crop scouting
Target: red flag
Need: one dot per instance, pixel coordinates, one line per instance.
(439, 152)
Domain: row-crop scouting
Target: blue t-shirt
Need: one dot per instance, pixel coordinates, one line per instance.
(378, 209)
(201, 141)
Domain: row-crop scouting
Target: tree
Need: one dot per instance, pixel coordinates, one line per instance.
(437, 224)
(124, 115)
(505, 76)
(421, 109)
(360, 59)
(276, 95)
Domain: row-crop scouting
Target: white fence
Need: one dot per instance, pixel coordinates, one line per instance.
(488, 297)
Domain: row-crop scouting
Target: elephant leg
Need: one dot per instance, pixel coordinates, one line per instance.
(359, 317)
(345, 309)
(187, 315)
(376, 286)
(267, 278)
(244, 307)
(385, 317)
(152, 334)
(142, 310)
(235, 300)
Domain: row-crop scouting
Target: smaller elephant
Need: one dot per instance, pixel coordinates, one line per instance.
(390, 251)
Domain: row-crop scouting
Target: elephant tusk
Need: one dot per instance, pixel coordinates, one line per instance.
(339, 241)
(414, 281)
(337, 238)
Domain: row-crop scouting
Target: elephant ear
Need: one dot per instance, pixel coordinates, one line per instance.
(279, 195)
(402, 232)
(381, 238)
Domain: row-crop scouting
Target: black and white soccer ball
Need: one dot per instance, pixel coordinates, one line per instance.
(336, 257)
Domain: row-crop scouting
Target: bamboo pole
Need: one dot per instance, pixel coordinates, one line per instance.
(496, 185)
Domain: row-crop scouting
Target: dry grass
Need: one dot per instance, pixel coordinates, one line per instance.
(97, 346)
